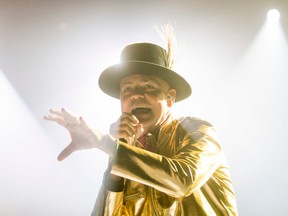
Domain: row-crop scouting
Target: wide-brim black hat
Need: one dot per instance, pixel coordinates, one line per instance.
(146, 59)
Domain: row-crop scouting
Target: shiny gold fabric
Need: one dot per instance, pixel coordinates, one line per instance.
(188, 176)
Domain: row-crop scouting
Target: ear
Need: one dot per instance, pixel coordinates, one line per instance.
(171, 97)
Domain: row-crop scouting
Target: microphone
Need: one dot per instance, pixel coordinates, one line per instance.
(123, 140)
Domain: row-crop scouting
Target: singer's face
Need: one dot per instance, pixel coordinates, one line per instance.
(146, 98)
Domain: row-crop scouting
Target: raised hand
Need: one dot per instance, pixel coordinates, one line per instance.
(83, 136)
(126, 127)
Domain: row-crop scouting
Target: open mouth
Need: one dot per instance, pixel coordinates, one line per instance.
(140, 111)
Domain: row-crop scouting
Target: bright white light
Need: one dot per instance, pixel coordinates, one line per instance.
(273, 15)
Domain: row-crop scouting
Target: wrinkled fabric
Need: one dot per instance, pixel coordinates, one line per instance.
(188, 175)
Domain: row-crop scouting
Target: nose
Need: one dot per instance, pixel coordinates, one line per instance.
(136, 94)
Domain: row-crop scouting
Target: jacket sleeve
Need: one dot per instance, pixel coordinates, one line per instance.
(109, 201)
(195, 158)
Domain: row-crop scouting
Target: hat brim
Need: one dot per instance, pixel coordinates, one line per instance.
(109, 80)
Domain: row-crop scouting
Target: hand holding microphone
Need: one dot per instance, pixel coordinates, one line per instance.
(127, 127)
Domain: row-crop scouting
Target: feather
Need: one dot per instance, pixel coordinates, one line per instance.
(167, 34)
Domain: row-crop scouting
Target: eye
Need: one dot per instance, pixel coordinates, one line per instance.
(149, 86)
(126, 89)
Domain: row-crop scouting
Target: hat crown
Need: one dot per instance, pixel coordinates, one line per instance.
(145, 52)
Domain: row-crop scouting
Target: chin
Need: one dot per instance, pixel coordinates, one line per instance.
(149, 128)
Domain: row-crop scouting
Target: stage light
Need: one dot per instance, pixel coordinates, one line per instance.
(273, 15)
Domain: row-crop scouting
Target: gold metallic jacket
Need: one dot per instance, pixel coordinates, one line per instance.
(187, 176)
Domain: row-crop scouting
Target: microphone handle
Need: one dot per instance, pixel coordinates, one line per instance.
(123, 140)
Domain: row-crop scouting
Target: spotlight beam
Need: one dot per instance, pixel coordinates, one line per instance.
(273, 15)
